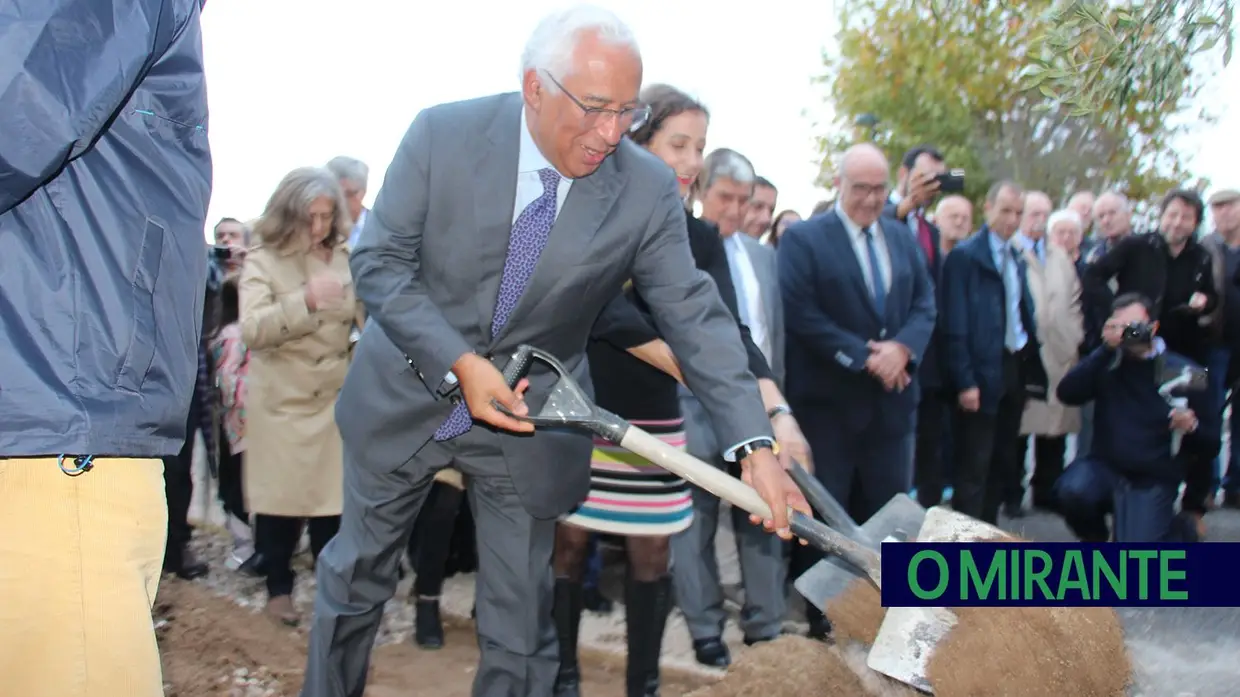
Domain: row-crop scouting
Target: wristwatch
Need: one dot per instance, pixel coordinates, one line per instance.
(753, 446)
(777, 410)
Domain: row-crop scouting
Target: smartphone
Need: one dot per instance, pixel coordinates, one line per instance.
(951, 182)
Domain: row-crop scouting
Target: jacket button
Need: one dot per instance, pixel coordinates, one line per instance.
(283, 330)
(317, 394)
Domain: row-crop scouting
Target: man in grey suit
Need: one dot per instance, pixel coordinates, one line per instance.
(725, 183)
(507, 220)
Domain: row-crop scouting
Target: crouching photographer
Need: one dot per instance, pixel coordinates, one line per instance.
(1145, 423)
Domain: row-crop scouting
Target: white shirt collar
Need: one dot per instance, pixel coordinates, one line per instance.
(530, 158)
(850, 225)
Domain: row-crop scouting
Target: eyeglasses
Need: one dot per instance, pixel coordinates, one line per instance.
(629, 119)
(867, 190)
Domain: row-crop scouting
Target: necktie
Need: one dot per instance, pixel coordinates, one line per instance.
(876, 274)
(525, 244)
(923, 237)
(1011, 287)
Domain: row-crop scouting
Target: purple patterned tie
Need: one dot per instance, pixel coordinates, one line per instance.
(525, 245)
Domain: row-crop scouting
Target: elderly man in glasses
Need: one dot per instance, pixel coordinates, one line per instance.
(507, 220)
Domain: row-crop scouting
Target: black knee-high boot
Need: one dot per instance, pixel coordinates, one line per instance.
(567, 612)
(646, 606)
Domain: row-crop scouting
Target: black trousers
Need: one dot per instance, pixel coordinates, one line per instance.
(986, 454)
(179, 490)
(432, 539)
(1048, 462)
(230, 493)
(276, 538)
(929, 458)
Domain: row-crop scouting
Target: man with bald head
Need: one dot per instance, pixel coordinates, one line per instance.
(993, 357)
(954, 216)
(859, 312)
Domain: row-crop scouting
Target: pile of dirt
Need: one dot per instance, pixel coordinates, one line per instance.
(793, 666)
(211, 647)
(1032, 652)
(1017, 652)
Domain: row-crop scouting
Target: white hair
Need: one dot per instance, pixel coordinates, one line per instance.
(1124, 205)
(1066, 215)
(550, 48)
(349, 169)
(726, 164)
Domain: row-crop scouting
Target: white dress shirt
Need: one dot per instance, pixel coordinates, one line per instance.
(749, 293)
(857, 238)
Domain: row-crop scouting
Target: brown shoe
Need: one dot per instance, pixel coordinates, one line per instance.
(280, 609)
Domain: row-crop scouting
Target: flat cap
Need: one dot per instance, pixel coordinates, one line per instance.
(1224, 196)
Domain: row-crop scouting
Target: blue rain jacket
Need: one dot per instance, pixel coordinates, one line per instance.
(105, 176)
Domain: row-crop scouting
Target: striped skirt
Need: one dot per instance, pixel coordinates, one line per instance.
(631, 496)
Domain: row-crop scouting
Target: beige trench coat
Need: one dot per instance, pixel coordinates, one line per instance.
(298, 360)
(1056, 292)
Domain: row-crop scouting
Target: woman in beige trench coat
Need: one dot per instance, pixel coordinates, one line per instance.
(1056, 292)
(297, 313)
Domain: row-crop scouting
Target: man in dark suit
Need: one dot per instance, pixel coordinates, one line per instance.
(508, 220)
(992, 353)
(859, 312)
(916, 188)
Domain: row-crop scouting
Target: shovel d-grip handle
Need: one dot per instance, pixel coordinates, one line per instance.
(568, 405)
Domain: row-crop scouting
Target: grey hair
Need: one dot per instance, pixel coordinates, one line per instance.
(287, 213)
(555, 39)
(350, 170)
(1065, 215)
(1123, 200)
(726, 164)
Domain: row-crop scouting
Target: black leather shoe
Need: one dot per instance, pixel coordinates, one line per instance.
(712, 652)
(427, 625)
(182, 562)
(819, 629)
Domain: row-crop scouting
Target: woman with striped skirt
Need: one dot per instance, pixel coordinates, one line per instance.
(630, 496)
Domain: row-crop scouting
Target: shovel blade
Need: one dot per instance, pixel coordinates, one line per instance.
(900, 518)
(908, 635)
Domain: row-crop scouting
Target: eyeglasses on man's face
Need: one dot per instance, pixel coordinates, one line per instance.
(629, 119)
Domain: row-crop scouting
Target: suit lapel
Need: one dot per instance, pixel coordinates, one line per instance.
(495, 194)
(589, 201)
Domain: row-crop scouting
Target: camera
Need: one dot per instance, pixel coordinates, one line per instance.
(221, 253)
(1137, 334)
(950, 182)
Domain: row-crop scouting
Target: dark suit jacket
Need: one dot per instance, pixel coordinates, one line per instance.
(626, 322)
(829, 315)
(975, 323)
(930, 374)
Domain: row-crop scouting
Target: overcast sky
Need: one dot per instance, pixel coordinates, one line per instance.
(296, 82)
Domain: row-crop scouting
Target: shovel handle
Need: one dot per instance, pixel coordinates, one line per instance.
(828, 507)
(743, 496)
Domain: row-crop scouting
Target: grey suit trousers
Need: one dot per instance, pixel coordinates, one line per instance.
(357, 573)
(695, 570)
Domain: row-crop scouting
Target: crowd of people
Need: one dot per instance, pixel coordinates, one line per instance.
(344, 365)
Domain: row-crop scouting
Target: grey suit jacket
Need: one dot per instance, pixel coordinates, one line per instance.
(700, 431)
(428, 267)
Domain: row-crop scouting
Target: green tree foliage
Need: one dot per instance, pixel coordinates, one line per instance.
(953, 73)
(1096, 57)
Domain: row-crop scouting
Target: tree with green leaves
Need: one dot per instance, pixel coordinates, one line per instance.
(953, 73)
(1095, 57)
